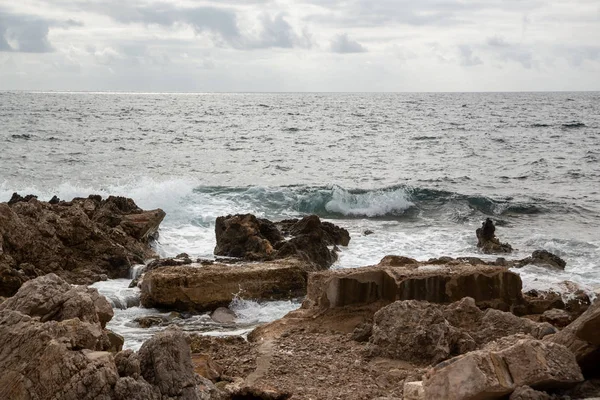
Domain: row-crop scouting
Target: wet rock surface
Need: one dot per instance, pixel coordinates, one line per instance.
(82, 240)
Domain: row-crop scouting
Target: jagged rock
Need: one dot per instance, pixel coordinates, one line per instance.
(149, 321)
(538, 302)
(115, 340)
(241, 236)
(204, 288)
(80, 240)
(401, 278)
(165, 362)
(58, 351)
(589, 389)
(251, 238)
(583, 339)
(423, 332)
(527, 393)
(542, 258)
(487, 374)
(487, 240)
(50, 297)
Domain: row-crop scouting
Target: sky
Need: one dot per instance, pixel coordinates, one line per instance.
(305, 45)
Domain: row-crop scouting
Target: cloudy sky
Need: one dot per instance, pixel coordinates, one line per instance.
(304, 45)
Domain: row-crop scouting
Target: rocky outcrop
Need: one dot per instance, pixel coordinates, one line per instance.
(542, 258)
(402, 278)
(199, 287)
(492, 373)
(583, 339)
(53, 346)
(82, 240)
(487, 240)
(569, 297)
(422, 332)
(255, 239)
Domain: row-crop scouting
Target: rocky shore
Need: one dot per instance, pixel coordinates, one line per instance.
(445, 328)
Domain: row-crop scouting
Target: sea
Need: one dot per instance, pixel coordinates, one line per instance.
(421, 171)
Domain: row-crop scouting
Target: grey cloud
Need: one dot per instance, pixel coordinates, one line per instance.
(343, 44)
(497, 41)
(24, 34)
(577, 55)
(506, 51)
(467, 58)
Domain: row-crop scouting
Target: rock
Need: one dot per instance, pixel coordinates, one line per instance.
(589, 389)
(223, 315)
(414, 391)
(240, 236)
(401, 278)
(165, 362)
(368, 232)
(80, 240)
(487, 240)
(527, 393)
(542, 258)
(149, 321)
(577, 300)
(206, 287)
(248, 237)
(206, 367)
(422, 332)
(362, 332)
(582, 338)
(58, 351)
(556, 317)
(116, 341)
(50, 297)
(486, 374)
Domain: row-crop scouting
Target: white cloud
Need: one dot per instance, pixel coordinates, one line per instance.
(343, 44)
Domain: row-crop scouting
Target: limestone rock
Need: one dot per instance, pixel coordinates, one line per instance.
(556, 317)
(223, 315)
(413, 391)
(206, 287)
(241, 236)
(487, 240)
(488, 374)
(81, 240)
(397, 278)
(583, 339)
(423, 332)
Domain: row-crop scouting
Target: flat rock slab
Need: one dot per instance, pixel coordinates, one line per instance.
(400, 278)
(198, 287)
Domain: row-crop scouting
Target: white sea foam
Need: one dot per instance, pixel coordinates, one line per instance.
(370, 204)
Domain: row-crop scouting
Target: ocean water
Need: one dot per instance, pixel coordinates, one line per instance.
(422, 171)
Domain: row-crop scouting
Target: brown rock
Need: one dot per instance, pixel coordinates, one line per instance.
(486, 374)
(240, 236)
(527, 393)
(206, 367)
(423, 332)
(405, 279)
(80, 240)
(556, 317)
(203, 288)
(116, 341)
(487, 240)
(582, 338)
(542, 258)
(223, 315)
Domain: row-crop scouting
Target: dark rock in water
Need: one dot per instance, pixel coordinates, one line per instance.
(149, 321)
(247, 237)
(487, 240)
(81, 240)
(542, 258)
(368, 232)
(223, 315)
(54, 200)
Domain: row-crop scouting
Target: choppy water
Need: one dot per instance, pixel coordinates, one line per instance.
(420, 170)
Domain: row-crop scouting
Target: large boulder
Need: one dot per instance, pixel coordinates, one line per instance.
(496, 373)
(487, 240)
(53, 348)
(402, 278)
(542, 258)
(422, 332)
(582, 337)
(79, 240)
(248, 237)
(198, 287)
